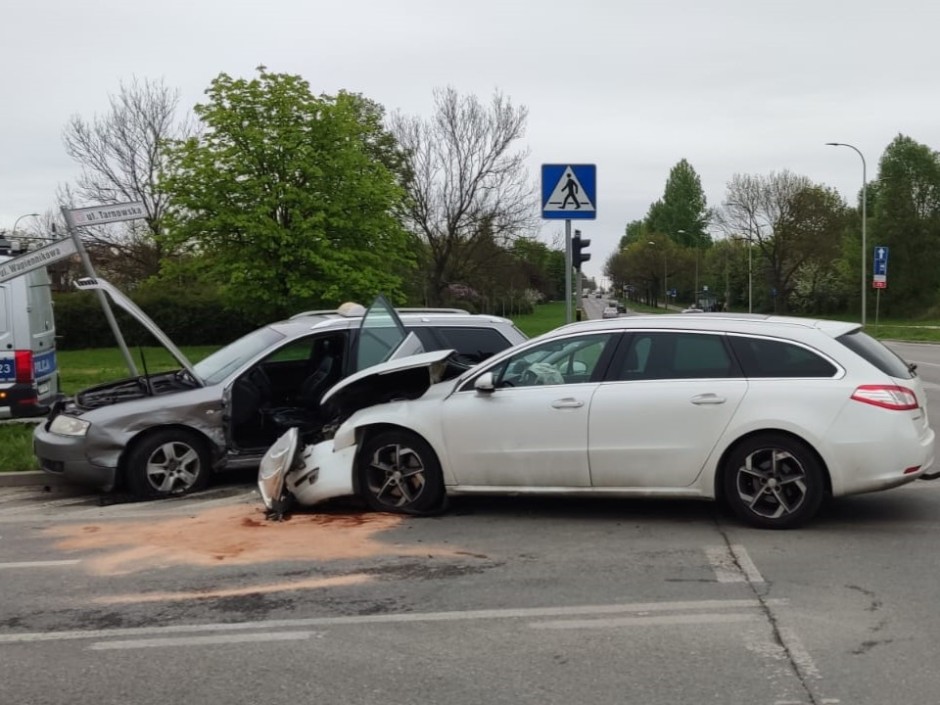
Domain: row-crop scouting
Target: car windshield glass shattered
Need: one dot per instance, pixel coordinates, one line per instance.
(222, 363)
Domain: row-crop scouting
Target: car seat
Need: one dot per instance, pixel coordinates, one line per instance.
(306, 415)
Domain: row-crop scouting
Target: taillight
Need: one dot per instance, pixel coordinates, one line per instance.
(887, 396)
(23, 359)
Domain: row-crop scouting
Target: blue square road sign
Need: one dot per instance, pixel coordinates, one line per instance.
(569, 191)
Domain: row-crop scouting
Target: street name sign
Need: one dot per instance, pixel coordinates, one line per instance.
(35, 259)
(99, 215)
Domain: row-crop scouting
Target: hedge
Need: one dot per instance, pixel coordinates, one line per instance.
(187, 317)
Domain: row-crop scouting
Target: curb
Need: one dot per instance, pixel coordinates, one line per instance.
(31, 478)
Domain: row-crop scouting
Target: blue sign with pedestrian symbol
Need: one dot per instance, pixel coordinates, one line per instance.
(569, 191)
(880, 262)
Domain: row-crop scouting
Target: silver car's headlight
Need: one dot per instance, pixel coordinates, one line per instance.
(65, 425)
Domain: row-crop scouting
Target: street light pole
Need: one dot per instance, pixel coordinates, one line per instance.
(864, 214)
(17, 222)
(750, 278)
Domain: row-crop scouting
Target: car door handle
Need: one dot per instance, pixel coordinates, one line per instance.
(703, 399)
(567, 403)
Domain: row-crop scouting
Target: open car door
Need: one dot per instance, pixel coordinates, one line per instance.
(382, 337)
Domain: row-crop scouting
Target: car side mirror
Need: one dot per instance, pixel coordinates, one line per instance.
(484, 383)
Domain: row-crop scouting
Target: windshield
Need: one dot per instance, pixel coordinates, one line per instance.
(222, 363)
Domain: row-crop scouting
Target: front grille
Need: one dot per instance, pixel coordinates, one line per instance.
(56, 466)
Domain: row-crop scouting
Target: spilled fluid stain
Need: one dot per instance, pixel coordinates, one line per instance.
(233, 535)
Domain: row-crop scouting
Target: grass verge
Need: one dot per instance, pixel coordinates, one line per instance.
(16, 447)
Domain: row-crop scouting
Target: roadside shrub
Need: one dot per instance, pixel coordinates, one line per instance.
(188, 316)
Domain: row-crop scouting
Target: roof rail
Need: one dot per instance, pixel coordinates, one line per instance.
(333, 311)
(433, 310)
(324, 312)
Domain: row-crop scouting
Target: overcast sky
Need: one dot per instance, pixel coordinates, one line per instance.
(733, 86)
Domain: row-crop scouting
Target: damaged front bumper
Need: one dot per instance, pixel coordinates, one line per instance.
(306, 476)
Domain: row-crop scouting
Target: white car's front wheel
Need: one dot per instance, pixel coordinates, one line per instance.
(399, 472)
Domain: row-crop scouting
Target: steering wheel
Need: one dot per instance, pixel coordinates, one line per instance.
(528, 378)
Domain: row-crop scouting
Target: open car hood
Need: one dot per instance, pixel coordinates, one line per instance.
(403, 378)
(121, 300)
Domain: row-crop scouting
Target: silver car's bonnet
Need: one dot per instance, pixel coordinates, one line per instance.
(145, 320)
(274, 466)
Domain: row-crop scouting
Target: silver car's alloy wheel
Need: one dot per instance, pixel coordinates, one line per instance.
(167, 462)
(173, 468)
(772, 483)
(396, 476)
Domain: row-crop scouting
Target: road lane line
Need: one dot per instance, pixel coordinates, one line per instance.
(199, 641)
(732, 564)
(38, 564)
(396, 618)
(657, 621)
(723, 565)
(746, 564)
(799, 654)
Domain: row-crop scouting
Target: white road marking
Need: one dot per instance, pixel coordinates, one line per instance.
(799, 654)
(658, 621)
(199, 641)
(746, 564)
(732, 564)
(396, 618)
(38, 564)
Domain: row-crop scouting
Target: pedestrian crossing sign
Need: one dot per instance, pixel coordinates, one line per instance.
(569, 191)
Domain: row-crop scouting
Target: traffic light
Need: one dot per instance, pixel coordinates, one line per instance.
(578, 247)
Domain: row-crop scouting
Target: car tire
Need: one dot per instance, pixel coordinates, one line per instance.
(398, 471)
(774, 481)
(167, 463)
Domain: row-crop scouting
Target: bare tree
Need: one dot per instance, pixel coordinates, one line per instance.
(789, 219)
(467, 186)
(121, 156)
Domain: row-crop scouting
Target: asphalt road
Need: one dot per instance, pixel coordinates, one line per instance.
(511, 600)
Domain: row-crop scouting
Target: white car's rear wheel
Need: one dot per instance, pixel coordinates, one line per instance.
(399, 472)
(774, 481)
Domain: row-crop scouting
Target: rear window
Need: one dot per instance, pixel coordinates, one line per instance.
(769, 358)
(472, 344)
(877, 354)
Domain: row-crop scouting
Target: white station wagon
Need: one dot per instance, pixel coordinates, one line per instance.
(770, 414)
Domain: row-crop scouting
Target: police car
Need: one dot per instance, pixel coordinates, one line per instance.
(28, 368)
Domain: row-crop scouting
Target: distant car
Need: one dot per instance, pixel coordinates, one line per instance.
(693, 309)
(598, 295)
(163, 434)
(610, 312)
(768, 414)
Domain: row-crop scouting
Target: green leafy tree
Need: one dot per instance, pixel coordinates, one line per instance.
(636, 231)
(682, 213)
(907, 219)
(288, 199)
